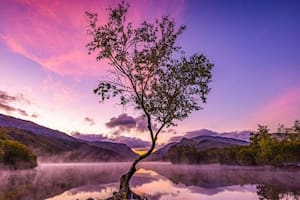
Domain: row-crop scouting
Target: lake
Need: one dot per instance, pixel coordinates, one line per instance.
(156, 180)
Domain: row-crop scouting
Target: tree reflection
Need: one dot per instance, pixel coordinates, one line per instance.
(48, 181)
(267, 192)
(158, 180)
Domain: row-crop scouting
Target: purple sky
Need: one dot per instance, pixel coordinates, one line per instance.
(47, 77)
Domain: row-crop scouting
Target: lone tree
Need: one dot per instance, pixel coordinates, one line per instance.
(148, 71)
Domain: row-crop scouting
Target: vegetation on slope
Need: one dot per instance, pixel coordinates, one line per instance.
(55, 149)
(14, 154)
(278, 149)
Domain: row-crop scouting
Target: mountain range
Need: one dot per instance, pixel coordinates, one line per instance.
(131, 142)
(55, 146)
(202, 142)
(240, 135)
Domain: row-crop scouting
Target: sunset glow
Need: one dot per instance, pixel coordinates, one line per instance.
(47, 76)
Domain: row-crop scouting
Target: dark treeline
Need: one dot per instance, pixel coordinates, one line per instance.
(277, 149)
(267, 192)
(14, 155)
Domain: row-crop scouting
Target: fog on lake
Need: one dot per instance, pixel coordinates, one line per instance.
(156, 180)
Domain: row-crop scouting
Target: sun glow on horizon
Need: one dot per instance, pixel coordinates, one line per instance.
(142, 151)
(58, 77)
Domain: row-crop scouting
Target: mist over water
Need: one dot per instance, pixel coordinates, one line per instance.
(158, 181)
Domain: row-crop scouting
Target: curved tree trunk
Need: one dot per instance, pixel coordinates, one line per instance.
(125, 191)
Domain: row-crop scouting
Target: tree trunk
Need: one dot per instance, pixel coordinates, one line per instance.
(124, 190)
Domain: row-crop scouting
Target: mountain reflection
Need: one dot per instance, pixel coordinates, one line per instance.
(158, 181)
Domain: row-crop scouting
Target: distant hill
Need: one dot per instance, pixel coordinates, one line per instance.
(202, 143)
(52, 145)
(8, 121)
(161, 153)
(122, 149)
(131, 142)
(240, 135)
(216, 140)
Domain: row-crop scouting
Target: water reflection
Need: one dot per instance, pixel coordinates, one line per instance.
(159, 181)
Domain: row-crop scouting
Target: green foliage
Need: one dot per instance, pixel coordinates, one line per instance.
(3, 134)
(245, 156)
(149, 71)
(1, 151)
(16, 155)
(184, 154)
(267, 192)
(276, 149)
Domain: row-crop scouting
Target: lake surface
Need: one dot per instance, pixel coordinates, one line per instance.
(156, 180)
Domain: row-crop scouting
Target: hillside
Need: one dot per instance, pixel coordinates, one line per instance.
(8, 121)
(14, 155)
(51, 145)
(122, 149)
(161, 153)
(240, 135)
(201, 143)
(55, 149)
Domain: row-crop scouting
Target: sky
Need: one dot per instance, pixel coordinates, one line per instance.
(47, 76)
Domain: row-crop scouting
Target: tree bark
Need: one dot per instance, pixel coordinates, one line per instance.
(124, 190)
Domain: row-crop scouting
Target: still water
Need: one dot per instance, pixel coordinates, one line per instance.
(156, 180)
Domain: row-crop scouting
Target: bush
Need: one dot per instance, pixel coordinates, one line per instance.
(16, 155)
(245, 156)
(278, 150)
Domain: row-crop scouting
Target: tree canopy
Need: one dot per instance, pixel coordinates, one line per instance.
(149, 70)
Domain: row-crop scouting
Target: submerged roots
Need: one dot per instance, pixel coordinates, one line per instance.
(125, 192)
(123, 196)
(126, 196)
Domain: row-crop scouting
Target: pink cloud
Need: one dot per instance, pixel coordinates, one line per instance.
(89, 120)
(53, 33)
(8, 103)
(283, 109)
(51, 86)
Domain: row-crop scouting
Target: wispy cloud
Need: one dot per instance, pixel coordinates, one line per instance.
(7, 103)
(281, 109)
(6, 98)
(132, 142)
(60, 92)
(123, 122)
(9, 109)
(53, 34)
(34, 115)
(129, 124)
(89, 120)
